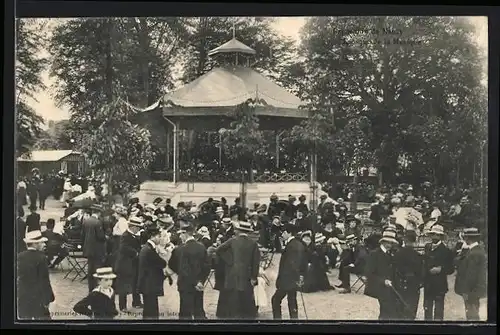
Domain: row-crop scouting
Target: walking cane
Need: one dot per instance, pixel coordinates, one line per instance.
(408, 309)
(303, 304)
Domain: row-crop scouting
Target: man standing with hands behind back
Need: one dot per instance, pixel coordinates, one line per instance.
(191, 263)
(471, 273)
(293, 266)
(241, 274)
(94, 243)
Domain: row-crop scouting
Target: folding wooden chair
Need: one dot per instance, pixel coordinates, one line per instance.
(77, 262)
(358, 280)
(209, 279)
(266, 258)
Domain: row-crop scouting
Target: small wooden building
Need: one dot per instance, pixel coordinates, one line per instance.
(52, 161)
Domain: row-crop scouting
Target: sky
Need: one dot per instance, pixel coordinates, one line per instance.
(287, 26)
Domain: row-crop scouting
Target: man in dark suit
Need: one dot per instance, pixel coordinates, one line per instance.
(236, 211)
(379, 275)
(55, 251)
(241, 274)
(151, 275)
(408, 264)
(192, 265)
(94, 243)
(34, 292)
(127, 264)
(352, 260)
(438, 265)
(33, 219)
(292, 268)
(471, 281)
(21, 230)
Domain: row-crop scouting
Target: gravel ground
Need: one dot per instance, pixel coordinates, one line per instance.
(319, 305)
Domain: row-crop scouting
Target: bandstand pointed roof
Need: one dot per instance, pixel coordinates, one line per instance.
(232, 46)
(231, 86)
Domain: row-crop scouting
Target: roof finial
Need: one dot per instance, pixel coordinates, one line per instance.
(234, 30)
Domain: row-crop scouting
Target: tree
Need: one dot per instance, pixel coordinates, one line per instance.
(244, 142)
(117, 148)
(30, 63)
(133, 56)
(411, 78)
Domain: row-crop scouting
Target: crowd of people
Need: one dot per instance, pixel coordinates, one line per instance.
(132, 249)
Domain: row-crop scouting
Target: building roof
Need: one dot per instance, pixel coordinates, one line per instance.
(46, 155)
(229, 87)
(232, 46)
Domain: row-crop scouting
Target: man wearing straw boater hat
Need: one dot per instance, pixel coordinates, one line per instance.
(94, 242)
(352, 260)
(292, 269)
(100, 303)
(241, 274)
(191, 263)
(408, 265)
(127, 264)
(438, 264)
(471, 281)
(34, 292)
(151, 275)
(380, 276)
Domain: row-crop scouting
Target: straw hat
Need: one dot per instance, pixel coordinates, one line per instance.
(203, 231)
(226, 220)
(306, 233)
(150, 207)
(436, 229)
(350, 238)
(243, 226)
(219, 210)
(34, 236)
(470, 232)
(104, 273)
(135, 221)
(165, 219)
(319, 237)
(389, 236)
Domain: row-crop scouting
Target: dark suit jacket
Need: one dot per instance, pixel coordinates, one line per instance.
(33, 221)
(378, 268)
(191, 263)
(245, 257)
(441, 256)
(409, 268)
(94, 239)
(127, 260)
(472, 273)
(33, 282)
(293, 264)
(151, 275)
(21, 233)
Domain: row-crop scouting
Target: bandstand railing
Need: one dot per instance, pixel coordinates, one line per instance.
(230, 177)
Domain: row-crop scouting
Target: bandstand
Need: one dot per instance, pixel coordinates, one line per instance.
(207, 105)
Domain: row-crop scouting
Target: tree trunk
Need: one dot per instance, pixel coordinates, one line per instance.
(109, 59)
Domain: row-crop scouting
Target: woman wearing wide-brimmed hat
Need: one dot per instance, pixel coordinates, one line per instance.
(315, 278)
(100, 303)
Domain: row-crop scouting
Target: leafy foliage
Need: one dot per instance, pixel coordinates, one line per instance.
(118, 147)
(29, 66)
(411, 81)
(243, 142)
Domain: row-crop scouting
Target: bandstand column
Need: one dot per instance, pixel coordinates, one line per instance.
(176, 152)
